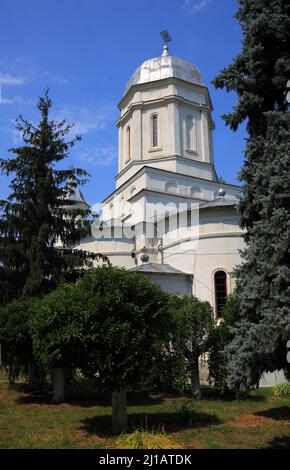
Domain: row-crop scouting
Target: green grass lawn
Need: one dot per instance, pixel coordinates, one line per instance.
(31, 421)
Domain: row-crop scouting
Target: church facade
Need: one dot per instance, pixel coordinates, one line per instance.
(170, 216)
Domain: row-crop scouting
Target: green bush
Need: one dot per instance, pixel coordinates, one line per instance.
(282, 391)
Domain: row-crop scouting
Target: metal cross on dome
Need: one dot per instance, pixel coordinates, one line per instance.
(166, 39)
(165, 36)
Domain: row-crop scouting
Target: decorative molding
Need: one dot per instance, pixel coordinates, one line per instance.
(163, 101)
(165, 82)
(155, 149)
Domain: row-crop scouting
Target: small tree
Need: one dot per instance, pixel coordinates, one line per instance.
(193, 325)
(60, 333)
(110, 324)
(131, 321)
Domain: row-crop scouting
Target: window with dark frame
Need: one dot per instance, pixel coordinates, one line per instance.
(220, 284)
(154, 131)
(128, 143)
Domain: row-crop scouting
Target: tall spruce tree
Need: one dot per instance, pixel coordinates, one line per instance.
(259, 75)
(40, 222)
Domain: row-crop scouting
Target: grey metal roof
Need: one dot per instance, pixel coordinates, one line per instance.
(165, 66)
(219, 202)
(155, 268)
(77, 196)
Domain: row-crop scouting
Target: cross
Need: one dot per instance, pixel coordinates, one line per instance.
(165, 36)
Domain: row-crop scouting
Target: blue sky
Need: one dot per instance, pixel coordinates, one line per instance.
(86, 50)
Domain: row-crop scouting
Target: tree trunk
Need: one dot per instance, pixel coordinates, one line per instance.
(119, 411)
(195, 383)
(11, 376)
(33, 377)
(58, 385)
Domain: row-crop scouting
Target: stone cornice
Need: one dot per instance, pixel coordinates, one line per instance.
(160, 159)
(164, 81)
(238, 234)
(149, 169)
(164, 100)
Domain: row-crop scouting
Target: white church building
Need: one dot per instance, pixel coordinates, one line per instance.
(170, 216)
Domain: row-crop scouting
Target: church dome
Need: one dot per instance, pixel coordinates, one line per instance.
(76, 196)
(165, 66)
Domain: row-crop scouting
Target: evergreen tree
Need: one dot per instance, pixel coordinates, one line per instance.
(219, 339)
(259, 75)
(15, 339)
(259, 342)
(39, 222)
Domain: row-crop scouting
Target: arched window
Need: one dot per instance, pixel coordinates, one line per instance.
(195, 191)
(220, 286)
(154, 130)
(171, 187)
(132, 190)
(128, 143)
(190, 133)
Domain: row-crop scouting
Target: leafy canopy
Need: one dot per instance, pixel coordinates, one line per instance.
(191, 324)
(111, 323)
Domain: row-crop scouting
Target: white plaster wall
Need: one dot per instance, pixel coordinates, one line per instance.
(185, 185)
(189, 173)
(217, 247)
(156, 91)
(162, 163)
(190, 93)
(122, 261)
(211, 254)
(148, 152)
(172, 284)
(172, 102)
(117, 206)
(123, 145)
(271, 379)
(214, 251)
(184, 113)
(192, 177)
(147, 92)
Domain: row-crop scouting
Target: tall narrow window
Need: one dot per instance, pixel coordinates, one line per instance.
(166, 227)
(189, 216)
(128, 143)
(154, 131)
(190, 134)
(220, 285)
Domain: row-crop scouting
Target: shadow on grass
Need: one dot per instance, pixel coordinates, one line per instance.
(209, 393)
(171, 422)
(279, 414)
(281, 442)
(85, 399)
